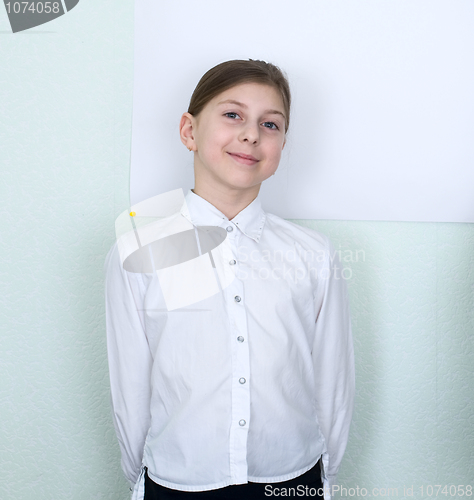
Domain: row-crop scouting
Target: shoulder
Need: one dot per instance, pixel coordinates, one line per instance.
(112, 260)
(115, 275)
(309, 239)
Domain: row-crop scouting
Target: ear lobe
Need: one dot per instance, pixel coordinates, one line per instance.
(186, 130)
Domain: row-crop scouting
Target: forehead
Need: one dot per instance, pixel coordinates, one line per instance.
(251, 93)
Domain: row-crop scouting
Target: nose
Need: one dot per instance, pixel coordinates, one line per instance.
(250, 133)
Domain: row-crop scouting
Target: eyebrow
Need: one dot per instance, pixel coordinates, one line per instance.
(241, 104)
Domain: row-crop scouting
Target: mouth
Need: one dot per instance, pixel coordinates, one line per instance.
(243, 158)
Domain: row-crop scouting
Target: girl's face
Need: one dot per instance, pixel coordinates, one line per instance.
(238, 137)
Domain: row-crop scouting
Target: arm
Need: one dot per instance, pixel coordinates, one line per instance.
(130, 362)
(333, 361)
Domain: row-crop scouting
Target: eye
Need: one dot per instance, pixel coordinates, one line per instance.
(232, 115)
(271, 125)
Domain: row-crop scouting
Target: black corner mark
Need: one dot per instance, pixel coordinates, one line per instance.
(24, 15)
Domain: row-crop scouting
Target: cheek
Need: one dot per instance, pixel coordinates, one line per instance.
(211, 151)
(216, 142)
(275, 151)
(215, 134)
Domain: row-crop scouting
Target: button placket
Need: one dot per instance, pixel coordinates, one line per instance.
(240, 373)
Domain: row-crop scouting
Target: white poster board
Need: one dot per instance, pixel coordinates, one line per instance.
(382, 124)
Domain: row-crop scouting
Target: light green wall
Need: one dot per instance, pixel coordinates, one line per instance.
(412, 298)
(65, 118)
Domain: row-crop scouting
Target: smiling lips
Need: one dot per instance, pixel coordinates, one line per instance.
(245, 159)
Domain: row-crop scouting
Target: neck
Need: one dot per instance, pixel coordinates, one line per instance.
(229, 202)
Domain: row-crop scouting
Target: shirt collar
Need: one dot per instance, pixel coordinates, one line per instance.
(200, 212)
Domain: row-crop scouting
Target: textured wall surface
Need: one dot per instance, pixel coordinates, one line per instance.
(65, 118)
(412, 295)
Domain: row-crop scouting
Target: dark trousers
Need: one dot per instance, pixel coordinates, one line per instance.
(304, 486)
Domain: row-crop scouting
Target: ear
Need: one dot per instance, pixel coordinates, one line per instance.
(284, 142)
(186, 129)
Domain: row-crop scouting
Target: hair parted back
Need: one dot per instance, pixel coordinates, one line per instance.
(231, 73)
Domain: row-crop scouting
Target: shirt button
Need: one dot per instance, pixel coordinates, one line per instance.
(242, 380)
(242, 422)
(240, 339)
(232, 262)
(229, 229)
(237, 298)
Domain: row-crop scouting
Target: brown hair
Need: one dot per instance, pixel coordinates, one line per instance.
(231, 73)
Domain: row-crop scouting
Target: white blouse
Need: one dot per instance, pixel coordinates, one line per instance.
(252, 379)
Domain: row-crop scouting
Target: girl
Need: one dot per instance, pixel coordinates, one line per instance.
(247, 392)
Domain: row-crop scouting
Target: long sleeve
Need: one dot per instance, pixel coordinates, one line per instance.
(333, 360)
(130, 362)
